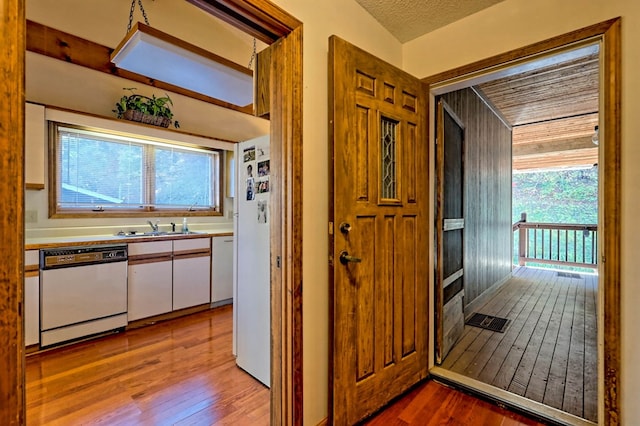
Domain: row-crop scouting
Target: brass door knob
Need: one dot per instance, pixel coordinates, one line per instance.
(346, 258)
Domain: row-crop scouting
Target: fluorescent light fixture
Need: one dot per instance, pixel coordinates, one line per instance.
(163, 57)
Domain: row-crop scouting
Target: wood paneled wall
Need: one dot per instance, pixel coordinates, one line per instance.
(487, 193)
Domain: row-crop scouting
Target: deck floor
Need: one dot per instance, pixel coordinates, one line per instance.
(548, 352)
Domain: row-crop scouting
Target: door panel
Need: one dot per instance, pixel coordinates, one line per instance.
(450, 230)
(379, 187)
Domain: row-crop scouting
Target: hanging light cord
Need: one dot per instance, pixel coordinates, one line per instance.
(253, 55)
(144, 14)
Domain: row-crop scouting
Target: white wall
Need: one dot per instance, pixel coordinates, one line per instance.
(54, 82)
(105, 22)
(57, 83)
(503, 27)
(322, 19)
(517, 23)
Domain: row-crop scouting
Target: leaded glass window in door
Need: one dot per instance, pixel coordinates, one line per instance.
(388, 148)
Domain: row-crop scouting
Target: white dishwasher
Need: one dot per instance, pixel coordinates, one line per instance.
(83, 291)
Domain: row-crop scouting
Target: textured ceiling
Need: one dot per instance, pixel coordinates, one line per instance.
(408, 19)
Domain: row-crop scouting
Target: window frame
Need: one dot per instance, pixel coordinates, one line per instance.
(56, 211)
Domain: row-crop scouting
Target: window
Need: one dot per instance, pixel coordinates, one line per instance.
(110, 174)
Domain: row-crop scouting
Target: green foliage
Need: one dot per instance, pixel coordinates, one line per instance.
(158, 107)
(564, 197)
(567, 196)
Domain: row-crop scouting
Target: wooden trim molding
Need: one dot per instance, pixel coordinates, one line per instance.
(609, 33)
(286, 230)
(144, 322)
(12, 353)
(269, 23)
(139, 259)
(34, 186)
(611, 224)
(188, 254)
(30, 273)
(259, 18)
(513, 55)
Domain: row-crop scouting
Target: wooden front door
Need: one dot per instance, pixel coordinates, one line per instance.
(449, 292)
(379, 200)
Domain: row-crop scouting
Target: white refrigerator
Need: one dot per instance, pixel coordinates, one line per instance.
(252, 258)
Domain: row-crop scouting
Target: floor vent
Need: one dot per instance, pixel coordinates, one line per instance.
(488, 322)
(568, 275)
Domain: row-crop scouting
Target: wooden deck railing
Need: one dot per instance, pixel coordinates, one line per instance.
(556, 244)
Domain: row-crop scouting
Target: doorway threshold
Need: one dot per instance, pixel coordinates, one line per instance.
(501, 396)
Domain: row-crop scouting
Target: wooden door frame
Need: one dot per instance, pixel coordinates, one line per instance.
(608, 33)
(12, 65)
(263, 20)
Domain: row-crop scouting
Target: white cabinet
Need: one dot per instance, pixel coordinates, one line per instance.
(221, 270)
(150, 285)
(32, 298)
(35, 142)
(191, 272)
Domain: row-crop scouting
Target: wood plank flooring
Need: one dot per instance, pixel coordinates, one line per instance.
(182, 372)
(432, 403)
(548, 353)
(178, 372)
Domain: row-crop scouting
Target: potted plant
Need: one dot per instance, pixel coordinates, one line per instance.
(144, 109)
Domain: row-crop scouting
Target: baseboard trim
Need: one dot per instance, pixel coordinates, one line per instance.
(324, 422)
(479, 301)
(514, 402)
(167, 316)
(222, 303)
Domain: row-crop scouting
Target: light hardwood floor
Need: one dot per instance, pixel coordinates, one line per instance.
(432, 403)
(182, 372)
(548, 353)
(175, 372)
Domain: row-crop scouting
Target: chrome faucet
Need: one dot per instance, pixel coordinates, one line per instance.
(154, 227)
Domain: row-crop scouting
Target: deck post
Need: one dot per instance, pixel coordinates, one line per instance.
(522, 240)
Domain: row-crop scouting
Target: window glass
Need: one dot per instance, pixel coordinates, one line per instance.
(100, 172)
(183, 178)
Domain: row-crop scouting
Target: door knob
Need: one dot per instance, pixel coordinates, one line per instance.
(345, 228)
(346, 258)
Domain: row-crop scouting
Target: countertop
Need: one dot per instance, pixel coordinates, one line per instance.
(85, 240)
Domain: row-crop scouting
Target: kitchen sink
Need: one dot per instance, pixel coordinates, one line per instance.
(157, 233)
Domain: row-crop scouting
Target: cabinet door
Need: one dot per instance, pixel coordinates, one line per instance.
(191, 281)
(221, 268)
(32, 309)
(150, 289)
(35, 137)
(32, 297)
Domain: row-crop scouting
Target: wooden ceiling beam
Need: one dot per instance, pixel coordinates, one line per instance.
(558, 145)
(76, 50)
(576, 158)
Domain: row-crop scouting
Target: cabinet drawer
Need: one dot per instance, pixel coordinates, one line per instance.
(32, 260)
(152, 247)
(191, 244)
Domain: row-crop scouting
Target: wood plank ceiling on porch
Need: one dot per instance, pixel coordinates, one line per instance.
(553, 111)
